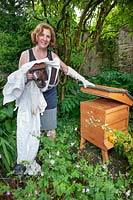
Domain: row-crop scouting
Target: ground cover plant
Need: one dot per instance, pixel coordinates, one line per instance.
(68, 172)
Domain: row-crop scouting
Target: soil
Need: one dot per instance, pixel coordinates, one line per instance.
(116, 164)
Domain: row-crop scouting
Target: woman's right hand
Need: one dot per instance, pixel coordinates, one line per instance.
(30, 76)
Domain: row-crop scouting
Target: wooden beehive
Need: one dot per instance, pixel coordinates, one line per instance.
(102, 115)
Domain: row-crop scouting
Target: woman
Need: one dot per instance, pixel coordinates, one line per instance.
(43, 37)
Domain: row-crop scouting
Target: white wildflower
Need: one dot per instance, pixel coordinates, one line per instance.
(104, 166)
(111, 175)
(52, 162)
(72, 143)
(36, 192)
(57, 153)
(83, 191)
(49, 156)
(128, 193)
(87, 190)
(42, 173)
(127, 174)
(78, 166)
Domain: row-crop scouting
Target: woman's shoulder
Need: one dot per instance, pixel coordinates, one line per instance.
(54, 55)
(24, 58)
(25, 52)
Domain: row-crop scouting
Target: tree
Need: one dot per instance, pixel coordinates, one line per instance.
(12, 31)
(76, 35)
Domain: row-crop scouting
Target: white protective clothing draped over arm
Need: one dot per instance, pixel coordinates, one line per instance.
(72, 73)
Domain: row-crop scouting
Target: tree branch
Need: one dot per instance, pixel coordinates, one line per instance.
(89, 7)
(63, 13)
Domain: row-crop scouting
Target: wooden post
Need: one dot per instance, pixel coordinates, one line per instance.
(82, 141)
(105, 156)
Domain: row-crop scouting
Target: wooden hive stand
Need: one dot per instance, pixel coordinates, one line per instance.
(99, 116)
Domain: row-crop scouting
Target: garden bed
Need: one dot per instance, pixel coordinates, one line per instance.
(70, 173)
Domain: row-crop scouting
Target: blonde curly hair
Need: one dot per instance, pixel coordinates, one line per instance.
(38, 31)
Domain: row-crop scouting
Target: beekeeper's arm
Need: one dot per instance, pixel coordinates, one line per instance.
(72, 73)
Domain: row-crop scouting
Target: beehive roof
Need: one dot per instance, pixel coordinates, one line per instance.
(117, 94)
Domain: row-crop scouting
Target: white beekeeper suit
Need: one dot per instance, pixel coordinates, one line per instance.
(30, 103)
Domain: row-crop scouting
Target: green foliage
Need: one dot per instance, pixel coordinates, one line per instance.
(18, 19)
(7, 136)
(126, 12)
(120, 16)
(13, 34)
(77, 58)
(67, 174)
(114, 78)
(7, 52)
(70, 105)
(11, 47)
(3, 79)
(124, 146)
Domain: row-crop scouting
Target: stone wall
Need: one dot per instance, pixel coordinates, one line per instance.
(125, 50)
(121, 56)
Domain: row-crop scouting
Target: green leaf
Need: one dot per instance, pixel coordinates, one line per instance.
(5, 151)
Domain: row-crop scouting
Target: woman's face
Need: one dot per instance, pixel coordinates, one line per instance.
(44, 38)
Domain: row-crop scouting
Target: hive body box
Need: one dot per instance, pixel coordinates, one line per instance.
(98, 117)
